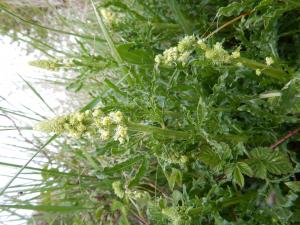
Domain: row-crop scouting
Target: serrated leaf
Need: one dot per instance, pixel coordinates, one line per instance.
(210, 158)
(279, 164)
(140, 173)
(259, 169)
(174, 178)
(237, 176)
(235, 8)
(123, 165)
(294, 185)
(263, 160)
(245, 168)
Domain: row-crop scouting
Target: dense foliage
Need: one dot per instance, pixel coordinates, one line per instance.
(205, 91)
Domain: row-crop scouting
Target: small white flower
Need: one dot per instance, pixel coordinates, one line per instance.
(170, 55)
(258, 72)
(97, 113)
(210, 53)
(269, 61)
(201, 44)
(218, 46)
(236, 54)
(87, 112)
(104, 134)
(106, 121)
(187, 43)
(121, 134)
(183, 58)
(81, 128)
(79, 116)
(116, 117)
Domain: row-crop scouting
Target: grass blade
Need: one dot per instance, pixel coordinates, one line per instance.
(104, 30)
(4, 8)
(184, 23)
(26, 164)
(37, 94)
(45, 208)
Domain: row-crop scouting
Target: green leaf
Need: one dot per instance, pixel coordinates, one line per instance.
(133, 55)
(236, 171)
(114, 87)
(294, 185)
(123, 165)
(210, 158)
(263, 160)
(259, 169)
(235, 8)
(117, 205)
(140, 173)
(237, 177)
(245, 168)
(279, 164)
(174, 178)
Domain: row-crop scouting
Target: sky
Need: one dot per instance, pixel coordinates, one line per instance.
(14, 94)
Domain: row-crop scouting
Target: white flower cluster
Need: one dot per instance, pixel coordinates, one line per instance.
(105, 123)
(74, 124)
(125, 192)
(117, 189)
(217, 54)
(88, 122)
(269, 62)
(179, 54)
(110, 16)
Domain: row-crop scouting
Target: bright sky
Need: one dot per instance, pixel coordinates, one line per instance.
(13, 64)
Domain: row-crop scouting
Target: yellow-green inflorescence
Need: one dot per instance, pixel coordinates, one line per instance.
(52, 65)
(90, 123)
(123, 191)
(111, 16)
(180, 54)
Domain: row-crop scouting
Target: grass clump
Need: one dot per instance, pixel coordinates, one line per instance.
(193, 118)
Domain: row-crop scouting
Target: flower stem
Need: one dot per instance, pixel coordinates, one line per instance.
(159, 131)
(270, 71)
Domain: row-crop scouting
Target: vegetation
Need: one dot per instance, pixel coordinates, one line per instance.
(193, 116)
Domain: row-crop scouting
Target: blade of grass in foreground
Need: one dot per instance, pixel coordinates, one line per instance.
(4, 8)
(45, 208)
(184, 23)
(26, 164)
(36, 93)
(42, 170)
(16, 113)
(104, 30)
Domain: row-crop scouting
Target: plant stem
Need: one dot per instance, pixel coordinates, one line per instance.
(228, 23)
(271, 71)
(285, 138)
(159, 131)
